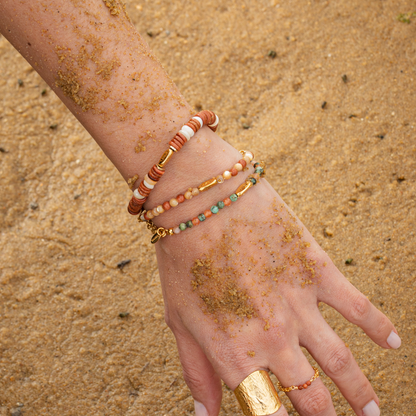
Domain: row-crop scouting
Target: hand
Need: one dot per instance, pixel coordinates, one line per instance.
(241, 293)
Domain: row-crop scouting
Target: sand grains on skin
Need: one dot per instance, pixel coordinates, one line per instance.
(234, 285)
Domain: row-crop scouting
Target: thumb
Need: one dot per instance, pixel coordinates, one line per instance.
(199, 375)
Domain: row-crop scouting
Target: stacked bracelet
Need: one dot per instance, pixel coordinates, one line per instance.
(160, 232)
(204, 186)
(187, 131)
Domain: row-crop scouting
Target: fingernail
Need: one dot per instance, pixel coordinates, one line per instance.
(200, 409)
(394, 340)
(371, 409)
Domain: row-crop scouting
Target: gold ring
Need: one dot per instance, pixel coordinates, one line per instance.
(301, 386)
(257, 395)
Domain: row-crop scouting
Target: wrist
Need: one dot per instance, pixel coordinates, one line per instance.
(205, 156)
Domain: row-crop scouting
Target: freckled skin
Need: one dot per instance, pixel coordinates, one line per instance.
(92, 56)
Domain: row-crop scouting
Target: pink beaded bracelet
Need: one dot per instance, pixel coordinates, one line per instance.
(191, 192)
(160, 232)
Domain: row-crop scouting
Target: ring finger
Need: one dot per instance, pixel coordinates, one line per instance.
(293, 369)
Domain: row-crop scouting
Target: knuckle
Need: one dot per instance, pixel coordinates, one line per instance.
(235, 358)
(362, 390)
(280, 339)
(360, 308)
(339, 360)
(315, 402)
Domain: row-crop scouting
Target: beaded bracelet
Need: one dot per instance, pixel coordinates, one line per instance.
(187, 131)
(160, 232)
(204, 186)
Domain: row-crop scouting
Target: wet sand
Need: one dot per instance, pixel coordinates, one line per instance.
(325, 91)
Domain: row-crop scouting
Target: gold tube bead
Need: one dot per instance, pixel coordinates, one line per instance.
(207, 184)
(242, 189)
(165, 158)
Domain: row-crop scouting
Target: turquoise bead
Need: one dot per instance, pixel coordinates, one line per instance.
(182, 226)
(220, 205)
(201, 217)
(189, 224)
(214, 209)
(259, 170)
(253, 181)
(233, 197)
(256, 164)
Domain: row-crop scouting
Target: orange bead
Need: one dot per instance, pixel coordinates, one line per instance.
(204, 116)
(181, 138)
(176, 146)
(242, 162)
(207, 213)
(227, 201)
(234, 172)
(305, 386)
(195, 221)
(180, 198)
(166, 206)
(193, 124)
(308, 383)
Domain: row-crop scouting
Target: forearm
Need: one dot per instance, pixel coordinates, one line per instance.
(96, 62)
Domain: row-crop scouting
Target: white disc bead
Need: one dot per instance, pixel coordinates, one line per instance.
(199, 120)
(215, 123)
(189, 130)
(147, 184)
(185, 132)
(138, 195)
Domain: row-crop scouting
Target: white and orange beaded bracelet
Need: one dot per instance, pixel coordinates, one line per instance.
(185, 134)
(204, 186)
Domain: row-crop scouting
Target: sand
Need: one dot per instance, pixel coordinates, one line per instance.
(80, 335)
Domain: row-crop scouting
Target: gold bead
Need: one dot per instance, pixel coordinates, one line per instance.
(242, 189)
(207, 184)
(165, 158)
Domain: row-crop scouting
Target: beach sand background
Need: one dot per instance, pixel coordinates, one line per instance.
(347, 168)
